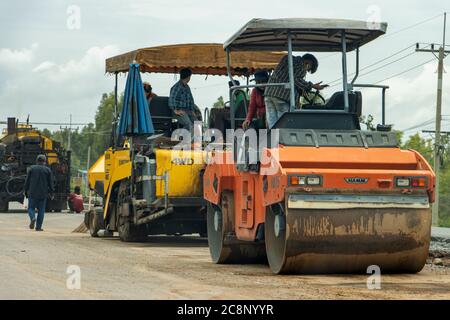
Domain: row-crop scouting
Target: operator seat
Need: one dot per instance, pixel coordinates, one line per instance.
(336, 102)
(219, 118)
(162, 115)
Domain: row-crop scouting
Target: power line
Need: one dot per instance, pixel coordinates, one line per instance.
(52, 123)
(424, 124)
(208, 86)
(379, 61)
(395, 32)
(382, 66)
(387, 58)
(385, 65)
(405, 71)
(413, 25)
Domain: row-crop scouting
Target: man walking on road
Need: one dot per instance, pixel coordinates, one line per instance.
(38, 185)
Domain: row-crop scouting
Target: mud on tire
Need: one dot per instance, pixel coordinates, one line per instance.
(94, 221)
(129, 232)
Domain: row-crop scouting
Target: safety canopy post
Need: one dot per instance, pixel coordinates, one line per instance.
(344, 70)
(291, 72)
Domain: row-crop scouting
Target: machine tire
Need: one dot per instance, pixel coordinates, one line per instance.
(225, 249)
(4, 206)
(95, 222)
(275, 243)
(129, 232)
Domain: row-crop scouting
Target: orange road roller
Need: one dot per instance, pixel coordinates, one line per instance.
(328, 197)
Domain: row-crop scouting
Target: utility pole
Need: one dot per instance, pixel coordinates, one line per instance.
(443, 142)
(88, 163)
(437, 140)
(70, 133)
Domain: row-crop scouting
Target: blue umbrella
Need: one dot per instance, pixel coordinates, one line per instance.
(135, 116)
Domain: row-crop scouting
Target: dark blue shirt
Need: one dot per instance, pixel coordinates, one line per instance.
(181, 97)
(39, 182)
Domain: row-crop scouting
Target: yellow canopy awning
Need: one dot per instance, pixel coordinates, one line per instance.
(201, 58)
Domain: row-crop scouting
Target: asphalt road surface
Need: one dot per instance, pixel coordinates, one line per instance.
(34, 265)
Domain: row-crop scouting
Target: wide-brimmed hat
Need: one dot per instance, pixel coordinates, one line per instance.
(261, 75)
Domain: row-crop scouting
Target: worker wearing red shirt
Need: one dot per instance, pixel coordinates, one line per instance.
(76, 200)
(257, 105)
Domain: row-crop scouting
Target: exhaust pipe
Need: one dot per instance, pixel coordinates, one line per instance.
(11, 126)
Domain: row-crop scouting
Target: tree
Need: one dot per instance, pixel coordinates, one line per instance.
(97, 135)
(421, 145)
(426, 149)
(103, 124)
(47, 133)
(368, 121)
(219, 103)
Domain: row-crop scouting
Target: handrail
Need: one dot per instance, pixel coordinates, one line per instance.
(383, 97)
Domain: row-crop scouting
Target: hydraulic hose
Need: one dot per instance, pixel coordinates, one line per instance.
(18, 193)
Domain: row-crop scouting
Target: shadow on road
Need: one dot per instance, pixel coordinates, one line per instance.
(166, 241)
(12, 211)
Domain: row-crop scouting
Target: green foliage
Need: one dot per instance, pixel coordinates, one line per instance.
(220, 103)
(103, 124)
(368, 121)
(444, 221)
(46, 133)
(97, 136)
(423, 146)
(399, 135)
(426, 149)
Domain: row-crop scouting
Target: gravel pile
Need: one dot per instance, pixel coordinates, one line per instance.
(439, 254)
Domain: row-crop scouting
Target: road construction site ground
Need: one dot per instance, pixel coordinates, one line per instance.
(34, 265)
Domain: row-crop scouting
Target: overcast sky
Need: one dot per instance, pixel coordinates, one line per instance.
(50, 68)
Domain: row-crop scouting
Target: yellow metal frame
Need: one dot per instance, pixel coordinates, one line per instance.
(28, 131)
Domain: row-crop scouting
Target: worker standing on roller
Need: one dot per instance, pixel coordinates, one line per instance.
(257, 105)
(277, 98)
(38, 186)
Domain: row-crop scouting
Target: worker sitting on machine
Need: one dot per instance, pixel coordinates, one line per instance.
(257, 105)
(76, 200)
(277, 98)
(181, 101)
(148, 92)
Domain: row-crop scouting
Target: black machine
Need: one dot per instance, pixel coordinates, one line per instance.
(19, 146)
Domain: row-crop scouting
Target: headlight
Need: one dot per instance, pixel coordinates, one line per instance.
(411, 182)
(402, 182)
(313, 181)
(305, 180)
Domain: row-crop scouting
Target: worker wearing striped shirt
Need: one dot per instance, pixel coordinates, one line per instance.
(277, 98)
